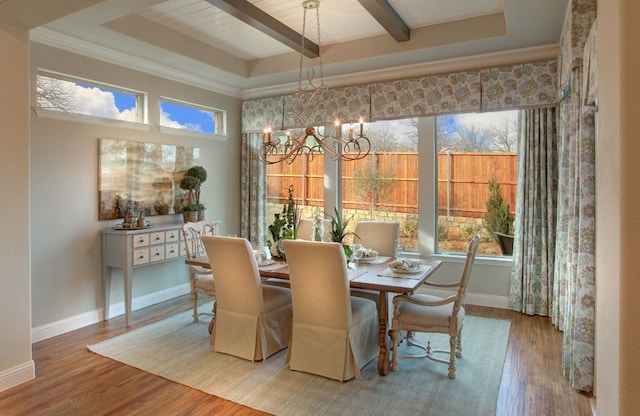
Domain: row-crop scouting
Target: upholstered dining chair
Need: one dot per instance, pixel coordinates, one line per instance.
(381, 236)
(427, 313)
(253, 321)
(306, 229)
(201, 278)
(333, 335)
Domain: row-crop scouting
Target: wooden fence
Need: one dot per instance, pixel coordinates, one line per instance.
(393, 184)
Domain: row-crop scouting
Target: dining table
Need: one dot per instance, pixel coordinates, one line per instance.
(371, 274)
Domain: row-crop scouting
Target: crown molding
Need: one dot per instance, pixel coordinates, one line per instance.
(58, 40)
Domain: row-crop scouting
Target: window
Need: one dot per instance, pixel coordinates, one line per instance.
(191, 117)
(430, 174)
(473, 150)
(66, 94)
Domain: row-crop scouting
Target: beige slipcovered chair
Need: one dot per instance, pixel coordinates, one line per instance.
(253, 321)
(381, 236)
(333, 335)
(200, 277)
(306, 229)
(427, 313)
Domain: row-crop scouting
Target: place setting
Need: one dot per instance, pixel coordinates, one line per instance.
(405, 268)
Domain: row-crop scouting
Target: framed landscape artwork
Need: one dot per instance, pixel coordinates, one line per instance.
(147, 173)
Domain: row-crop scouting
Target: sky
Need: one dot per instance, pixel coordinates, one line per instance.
(102, 102)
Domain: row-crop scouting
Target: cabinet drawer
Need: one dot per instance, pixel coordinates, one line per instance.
(140, 240)
(140, 256)
(156, 253)
(171, 236)
(171, 251)
(156, 238)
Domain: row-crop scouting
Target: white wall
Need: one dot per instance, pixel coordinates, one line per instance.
(16, 365)
(66, 243)
(618, 199)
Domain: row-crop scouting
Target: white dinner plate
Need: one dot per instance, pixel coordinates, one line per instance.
(412, 270)
(266, 262)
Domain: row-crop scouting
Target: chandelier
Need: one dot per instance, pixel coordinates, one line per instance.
(308, 140)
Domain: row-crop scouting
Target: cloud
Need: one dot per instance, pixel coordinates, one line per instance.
(483, 120)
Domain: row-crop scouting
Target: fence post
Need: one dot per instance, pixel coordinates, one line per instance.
(448, 183)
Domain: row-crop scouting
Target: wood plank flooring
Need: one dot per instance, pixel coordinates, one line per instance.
(70, 380)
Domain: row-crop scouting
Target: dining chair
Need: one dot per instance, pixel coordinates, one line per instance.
(306, 229)
(333, 334)
(381, 236)
(253, 321)
(201, 278)
(433, 314)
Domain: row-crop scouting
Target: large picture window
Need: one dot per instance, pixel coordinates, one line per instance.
(454, 157)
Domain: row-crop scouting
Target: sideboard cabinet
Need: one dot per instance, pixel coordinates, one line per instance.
(130, 249)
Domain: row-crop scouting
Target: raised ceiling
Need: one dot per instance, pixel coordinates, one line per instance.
(209, 43)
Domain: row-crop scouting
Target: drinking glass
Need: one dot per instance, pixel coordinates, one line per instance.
(356, 253)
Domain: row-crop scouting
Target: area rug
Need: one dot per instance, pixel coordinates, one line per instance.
(178, 350)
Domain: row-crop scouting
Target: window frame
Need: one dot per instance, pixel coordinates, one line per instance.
(140, 99)
(220, 118)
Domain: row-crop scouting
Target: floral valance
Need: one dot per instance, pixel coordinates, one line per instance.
(520, 86)
(501, 88)
(260, 113)
(575, 31)
(424, 96)
(347, 104)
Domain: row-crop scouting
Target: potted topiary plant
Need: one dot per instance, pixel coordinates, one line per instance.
(498, 219)
(339, 231)
(192, 182)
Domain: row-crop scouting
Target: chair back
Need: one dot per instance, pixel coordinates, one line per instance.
(472, 249)
(233, 263)
(192, 233)
(306, 229)
(319, 283)
(381, 236)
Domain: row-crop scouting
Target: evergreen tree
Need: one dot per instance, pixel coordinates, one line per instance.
(497, 218)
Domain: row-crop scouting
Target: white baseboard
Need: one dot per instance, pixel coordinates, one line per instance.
(53, 329)
(17, 375)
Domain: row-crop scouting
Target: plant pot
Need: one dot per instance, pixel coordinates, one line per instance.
(190, 216)
(506, 243)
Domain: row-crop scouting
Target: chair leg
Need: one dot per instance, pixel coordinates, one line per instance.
(459, 344)
(394, 345)
(452, 356)
(194, 296)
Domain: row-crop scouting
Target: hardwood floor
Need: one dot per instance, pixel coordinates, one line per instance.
(73, 381)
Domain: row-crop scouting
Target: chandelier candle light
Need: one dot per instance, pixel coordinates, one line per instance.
(308, 140)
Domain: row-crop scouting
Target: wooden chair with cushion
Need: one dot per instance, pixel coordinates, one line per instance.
(253, 321)
(201, 278)
(333, 335)
(427, 313)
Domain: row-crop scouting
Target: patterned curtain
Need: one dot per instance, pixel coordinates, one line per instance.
(253, 192)
(534, 243)
(573, 310)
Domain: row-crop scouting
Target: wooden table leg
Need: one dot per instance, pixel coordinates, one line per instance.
(383, 315)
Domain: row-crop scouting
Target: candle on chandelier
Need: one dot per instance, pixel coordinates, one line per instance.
(351, 131)
(338, 129)
(266, 135)
(361, 122)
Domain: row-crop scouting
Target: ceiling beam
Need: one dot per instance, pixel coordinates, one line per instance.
(388, 18)
(258, 19)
